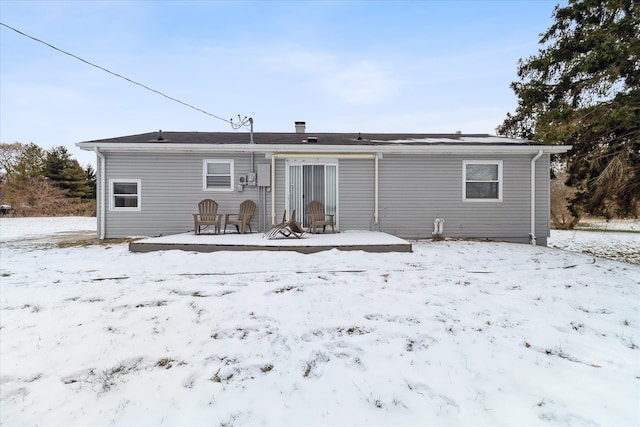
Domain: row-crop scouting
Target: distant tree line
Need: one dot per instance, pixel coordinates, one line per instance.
(38, 182)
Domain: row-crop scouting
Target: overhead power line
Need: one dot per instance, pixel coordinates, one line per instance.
(117, 75)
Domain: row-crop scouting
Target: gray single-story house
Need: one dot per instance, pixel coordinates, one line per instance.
(482, 186)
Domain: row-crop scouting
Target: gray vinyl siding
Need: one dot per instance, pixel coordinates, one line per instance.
(171, 187)
(414, 190)
(356, 194)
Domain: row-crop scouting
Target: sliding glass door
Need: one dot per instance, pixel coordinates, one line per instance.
(311, 181)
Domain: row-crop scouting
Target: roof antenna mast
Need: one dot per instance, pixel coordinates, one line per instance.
(244, 122)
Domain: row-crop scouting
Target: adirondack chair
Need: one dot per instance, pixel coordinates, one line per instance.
(273, 231)
(293, 228)
(317, 217)
(208, 215)
(286, 228)
(243, 220)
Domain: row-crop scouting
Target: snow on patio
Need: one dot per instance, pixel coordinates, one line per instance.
(369, 241)
(455, 333)
(345, 238)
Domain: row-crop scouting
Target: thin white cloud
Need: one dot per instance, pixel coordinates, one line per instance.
(361, 82)
(353, 82)
(471, 119)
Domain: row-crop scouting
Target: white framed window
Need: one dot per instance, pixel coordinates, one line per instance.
(125, 194)
(482, 180)
(217, 175)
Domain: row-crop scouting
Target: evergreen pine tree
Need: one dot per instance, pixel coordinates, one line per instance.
(583, 89)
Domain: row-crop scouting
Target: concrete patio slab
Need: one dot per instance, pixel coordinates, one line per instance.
(369, 241)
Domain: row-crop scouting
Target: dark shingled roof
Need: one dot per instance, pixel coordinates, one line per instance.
(293, 138)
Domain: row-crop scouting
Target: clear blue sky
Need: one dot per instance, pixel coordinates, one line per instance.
(341, 66)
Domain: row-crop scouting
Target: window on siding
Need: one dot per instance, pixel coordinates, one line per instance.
(125, 194)
(218, 175)
(482, 180)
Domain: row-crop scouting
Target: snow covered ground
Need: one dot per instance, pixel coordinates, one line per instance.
(455, 333)
(616, 245)
(611, 225)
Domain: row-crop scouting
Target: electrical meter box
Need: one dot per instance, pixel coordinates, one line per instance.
(264, 175)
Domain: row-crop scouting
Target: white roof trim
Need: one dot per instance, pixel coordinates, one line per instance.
(321, 149)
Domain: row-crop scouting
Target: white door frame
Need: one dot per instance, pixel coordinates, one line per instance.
(316, 161)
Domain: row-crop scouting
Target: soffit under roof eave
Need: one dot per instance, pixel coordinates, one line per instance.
(312, 149)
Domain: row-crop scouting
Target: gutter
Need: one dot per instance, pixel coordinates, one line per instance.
(100, 194)
(320, 150)
(322, 154)
(532, 235)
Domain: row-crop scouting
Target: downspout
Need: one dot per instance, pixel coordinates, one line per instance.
(375, 190)
(101, 194)
(532, 235)
(273, 190)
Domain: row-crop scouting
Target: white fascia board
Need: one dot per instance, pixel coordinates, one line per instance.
(472, 149)
(282, 149)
